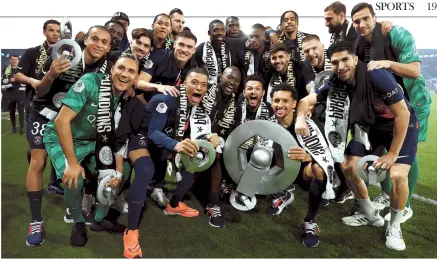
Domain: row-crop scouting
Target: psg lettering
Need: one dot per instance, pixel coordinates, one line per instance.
(338, 102)
(229, 118)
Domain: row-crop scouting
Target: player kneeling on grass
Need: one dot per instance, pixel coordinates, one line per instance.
(73, 135)
(380, 116)
(311, 176)
(174, 124)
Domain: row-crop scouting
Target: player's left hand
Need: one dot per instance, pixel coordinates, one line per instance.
(385, 161)
(378, 64)
(114, 182)
(297, 153)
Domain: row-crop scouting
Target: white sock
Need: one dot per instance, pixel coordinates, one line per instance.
(395, 217)
(368, 209)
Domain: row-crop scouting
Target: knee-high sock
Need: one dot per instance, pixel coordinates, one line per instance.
(160, 171)
(52, 174)
(314, 199)
(101, 212)
(413, 176)
(35, 202)
(144, 170)
(73, 198)
(127, 180)
(182, 188)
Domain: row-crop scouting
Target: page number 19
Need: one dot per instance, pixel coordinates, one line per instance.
(432, 6)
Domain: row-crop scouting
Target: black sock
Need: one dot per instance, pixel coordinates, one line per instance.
(35, 201)
(314, 199)
(182, 188)
(214, 198)
(160, 171)
(144, 170)
(52, 175)
(20, 108)
(28, 156)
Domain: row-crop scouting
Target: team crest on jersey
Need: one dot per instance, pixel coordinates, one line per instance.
(148, 64)
(79, 86)
(37, 140)
(57, 99)
(105, 155)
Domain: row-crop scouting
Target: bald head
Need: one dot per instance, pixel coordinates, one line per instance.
(230, 80)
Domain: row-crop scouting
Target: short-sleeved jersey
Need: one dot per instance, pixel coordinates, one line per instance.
(404, 44)
(52, 99)
(31, 64)
(164, 70)
(386, 92)
(83, 98)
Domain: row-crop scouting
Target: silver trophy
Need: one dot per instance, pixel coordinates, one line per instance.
(256, 176)
(67, 47)
(368, 172)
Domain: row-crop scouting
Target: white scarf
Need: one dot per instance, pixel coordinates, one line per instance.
(249, 58)
(336, 121)
(316, 146)
(200, 123)
(262, 113)
(210, 60)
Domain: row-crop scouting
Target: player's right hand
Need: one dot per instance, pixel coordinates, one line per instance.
(59, 66)
(302, 126)
(188, 147)
(168, 90)
(71, 175)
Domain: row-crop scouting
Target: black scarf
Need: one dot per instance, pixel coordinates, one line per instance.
(380, 48)
(221, 110)
(342, 35)
(182, 114)
(42, 58)
(299, 37)
(168, 45)
(361, 107)
(106, 137)
(264, 60)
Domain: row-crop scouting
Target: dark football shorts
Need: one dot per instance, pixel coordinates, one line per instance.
(382, 139)
(137, 141)
(35, 131)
